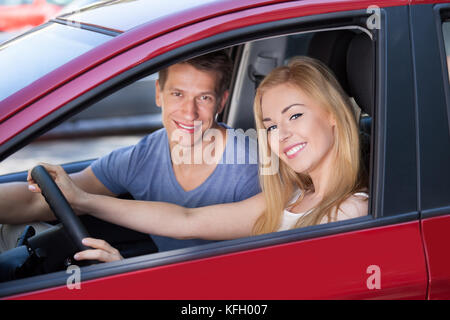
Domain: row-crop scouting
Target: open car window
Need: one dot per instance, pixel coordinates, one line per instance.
(119, 120)
(126, 116)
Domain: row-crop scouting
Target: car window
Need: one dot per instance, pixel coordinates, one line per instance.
(119, 120)
(446, 33)
(332, 48)
(124, 117)
(44, 51)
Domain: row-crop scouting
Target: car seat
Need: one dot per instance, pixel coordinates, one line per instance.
(360, 74)
(351, 57)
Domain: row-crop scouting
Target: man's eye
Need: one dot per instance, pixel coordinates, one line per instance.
(206, 98)
(271, 128)
(295, 116)
(176, 94)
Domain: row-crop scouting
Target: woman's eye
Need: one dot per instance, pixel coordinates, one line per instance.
(295, 116)
(271, 128)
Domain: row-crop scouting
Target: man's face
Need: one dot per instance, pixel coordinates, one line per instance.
(188, 96)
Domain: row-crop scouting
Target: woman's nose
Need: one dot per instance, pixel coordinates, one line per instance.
(283, 133)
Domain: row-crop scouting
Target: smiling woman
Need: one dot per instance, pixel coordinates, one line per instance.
(304, 105)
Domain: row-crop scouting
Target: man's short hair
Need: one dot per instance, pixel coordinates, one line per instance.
(217, 61)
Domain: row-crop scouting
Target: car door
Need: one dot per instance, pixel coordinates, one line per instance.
(380, 256)
(430, 29)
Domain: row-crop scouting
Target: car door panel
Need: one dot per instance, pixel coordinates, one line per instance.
(433, 141)
(331, 267)
(436, 238)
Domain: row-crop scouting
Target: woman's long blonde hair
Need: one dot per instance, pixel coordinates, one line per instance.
(317, 81)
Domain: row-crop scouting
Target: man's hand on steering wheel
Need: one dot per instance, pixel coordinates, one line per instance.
(102, 251)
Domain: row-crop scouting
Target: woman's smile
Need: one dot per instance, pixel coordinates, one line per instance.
(294, 150)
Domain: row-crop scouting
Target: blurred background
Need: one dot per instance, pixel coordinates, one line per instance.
(18, 16)
(118, 120)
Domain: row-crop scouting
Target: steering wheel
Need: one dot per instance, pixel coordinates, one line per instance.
(60, 207)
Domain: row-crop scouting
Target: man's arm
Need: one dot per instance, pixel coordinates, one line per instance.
(19, 205)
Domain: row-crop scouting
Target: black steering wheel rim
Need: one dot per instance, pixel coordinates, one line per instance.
(60, 206)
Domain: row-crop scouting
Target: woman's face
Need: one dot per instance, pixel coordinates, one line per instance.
(303, 129)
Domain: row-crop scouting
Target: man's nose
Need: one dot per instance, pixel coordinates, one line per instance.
(190, 109)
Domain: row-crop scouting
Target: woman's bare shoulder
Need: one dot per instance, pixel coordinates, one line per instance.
(353, 207)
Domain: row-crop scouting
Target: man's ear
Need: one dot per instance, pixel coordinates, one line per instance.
(158, 94)
(223, 101)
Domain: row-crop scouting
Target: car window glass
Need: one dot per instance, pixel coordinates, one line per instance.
(44, 51)
(116, 121)
(446, 33)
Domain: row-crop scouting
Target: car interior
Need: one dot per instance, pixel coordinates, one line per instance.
(350, 54)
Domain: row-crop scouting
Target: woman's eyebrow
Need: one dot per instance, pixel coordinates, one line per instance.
(292, 105)
(285, 110)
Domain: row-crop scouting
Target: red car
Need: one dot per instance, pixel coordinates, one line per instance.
(23, 14)
(389, 55)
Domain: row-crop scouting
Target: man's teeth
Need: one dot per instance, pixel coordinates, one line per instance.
(185, 127)
(295, 149)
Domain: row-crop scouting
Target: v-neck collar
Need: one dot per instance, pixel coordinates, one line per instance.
(172, 176)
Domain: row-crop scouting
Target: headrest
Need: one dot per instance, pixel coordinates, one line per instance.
(360, 71)
(331, 47)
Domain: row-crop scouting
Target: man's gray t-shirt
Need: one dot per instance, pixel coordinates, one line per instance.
(145, 171)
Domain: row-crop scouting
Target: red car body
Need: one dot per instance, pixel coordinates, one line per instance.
(410, 249)
(26, 15)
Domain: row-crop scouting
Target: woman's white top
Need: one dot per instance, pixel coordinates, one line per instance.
(289, 219)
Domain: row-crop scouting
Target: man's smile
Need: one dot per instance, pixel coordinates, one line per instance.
(186, 127)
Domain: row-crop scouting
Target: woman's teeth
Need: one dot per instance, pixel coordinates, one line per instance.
(295, 149)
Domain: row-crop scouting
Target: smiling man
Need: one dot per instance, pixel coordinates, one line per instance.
(190, 94)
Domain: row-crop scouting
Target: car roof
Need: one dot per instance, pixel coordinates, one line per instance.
(123, 15)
